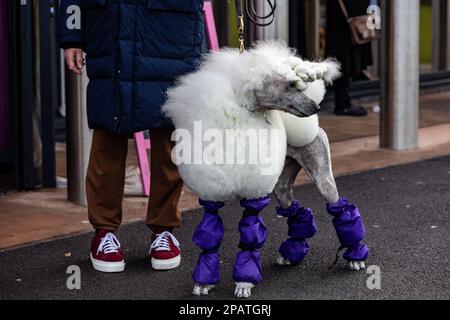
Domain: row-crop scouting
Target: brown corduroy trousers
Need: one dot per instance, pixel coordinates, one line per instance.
(105, 181)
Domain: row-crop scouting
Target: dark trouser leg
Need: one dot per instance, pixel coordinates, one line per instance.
(166, 184)
(341, 93)
(105, 179)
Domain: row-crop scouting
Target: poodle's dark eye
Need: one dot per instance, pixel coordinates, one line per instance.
(292, 85)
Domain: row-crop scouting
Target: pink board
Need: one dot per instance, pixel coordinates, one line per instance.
(210, 25)
(142, 144)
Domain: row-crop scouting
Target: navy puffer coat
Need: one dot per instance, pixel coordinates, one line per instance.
(135, 50)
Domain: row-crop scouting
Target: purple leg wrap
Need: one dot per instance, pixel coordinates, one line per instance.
(247, 267)
(208, 236)
(350, 229)
(301, 227)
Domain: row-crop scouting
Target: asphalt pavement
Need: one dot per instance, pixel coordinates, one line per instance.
(406, 210)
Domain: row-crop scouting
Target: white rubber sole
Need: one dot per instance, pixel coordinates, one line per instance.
(108, 267)
(166, 264)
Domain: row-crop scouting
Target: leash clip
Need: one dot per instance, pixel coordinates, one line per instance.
(241, 30)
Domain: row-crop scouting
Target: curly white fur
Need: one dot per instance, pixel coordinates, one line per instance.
(220, 95)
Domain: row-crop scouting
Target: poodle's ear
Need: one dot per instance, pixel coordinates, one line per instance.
(333, 70)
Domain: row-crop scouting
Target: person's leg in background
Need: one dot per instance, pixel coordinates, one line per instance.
(339, 45)
(165, 192)
(105, 183)
(341, 89)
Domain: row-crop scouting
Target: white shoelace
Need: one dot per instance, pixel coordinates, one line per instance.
(109, 244)
(162, 243)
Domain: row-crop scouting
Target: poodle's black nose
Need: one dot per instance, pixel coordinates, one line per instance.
(308, 107)
(313, 108)
(300, 105)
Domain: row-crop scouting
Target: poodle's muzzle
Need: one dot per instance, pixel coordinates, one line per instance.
(288, 100)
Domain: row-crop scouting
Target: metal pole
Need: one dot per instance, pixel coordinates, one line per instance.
(49, 58)
(79, 138)
(313, 25)
(400, 74)
(13, 15)
(26, 101)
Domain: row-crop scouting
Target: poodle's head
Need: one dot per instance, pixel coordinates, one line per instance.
(278, 79)
(279, 93)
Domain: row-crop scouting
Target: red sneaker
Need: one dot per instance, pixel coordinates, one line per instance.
(106, 255)
(165, 251)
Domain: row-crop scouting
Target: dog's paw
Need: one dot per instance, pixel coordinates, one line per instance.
(243, 289)
(356, 265)
(200, 290)
(282, 261)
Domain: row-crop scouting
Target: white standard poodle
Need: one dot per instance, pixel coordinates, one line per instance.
(245, 126)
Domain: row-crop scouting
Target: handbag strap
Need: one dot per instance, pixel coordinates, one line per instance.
(344, 9)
